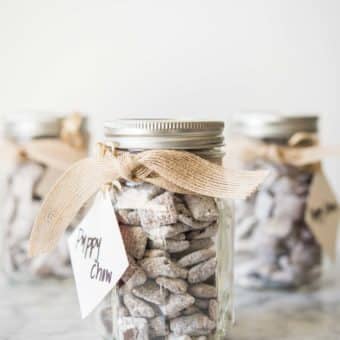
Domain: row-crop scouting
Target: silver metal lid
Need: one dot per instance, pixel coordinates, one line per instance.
(26, 126)
(165, 134)
(274, 125)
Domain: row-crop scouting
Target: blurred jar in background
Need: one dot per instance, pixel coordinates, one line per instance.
(275, 244)
(35, 150)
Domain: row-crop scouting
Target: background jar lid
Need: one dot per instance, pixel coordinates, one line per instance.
(165, 134)
(24, 126)
(274, 125)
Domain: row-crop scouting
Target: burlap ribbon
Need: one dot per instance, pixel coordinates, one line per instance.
(176, 171)
(301, 150)
(56, 153)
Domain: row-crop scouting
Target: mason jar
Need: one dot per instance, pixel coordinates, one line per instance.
(180, 246)
(26, 183)
(275, 247)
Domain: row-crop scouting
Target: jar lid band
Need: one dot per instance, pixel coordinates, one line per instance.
(32, 125)
(165, 134)
(274, 125)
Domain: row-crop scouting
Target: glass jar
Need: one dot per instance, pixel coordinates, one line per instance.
(26, 183)
(180, 280)
(274, 246)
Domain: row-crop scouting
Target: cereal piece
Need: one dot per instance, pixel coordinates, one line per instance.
(24, 179)
(133, 277)
(175, 315)
(204, 243)
(176, 286)
(195, 245)
(202, 271)
(158, 327)
(196, 257)
(151, 292)
(20, 229)
(176, 303)
(8, 208)
(202, 208)
(122, 311)
(162, 266)
(191, 310)
(135, 240)
(283, 185)
(136, 197)
(106, 318)
(179, 237)
(212, 310)
(129, 272)
(133, 329)
(205, 233)
(158, 212)
(138, 307)
(178, 198)
(305, 255)
(203, 291)
(185, 217)
(169, 231)
(245, 227)
(264, 205)
(156, 253)
(173, 336)
(202, 303)
(290, 207)
(46, 265)
(282, 278)
(172, 246)
(276, 227)
(196, 324)
(127, 216)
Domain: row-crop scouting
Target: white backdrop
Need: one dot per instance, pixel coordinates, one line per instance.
(175, 58)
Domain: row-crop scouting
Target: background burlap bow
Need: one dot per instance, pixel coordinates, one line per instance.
(176, 171)
(56, 153)
(302, 149)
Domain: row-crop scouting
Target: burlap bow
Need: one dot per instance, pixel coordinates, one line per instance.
(302, 149)
(176, 171)
(56, 153)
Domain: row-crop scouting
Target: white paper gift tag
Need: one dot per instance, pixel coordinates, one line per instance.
(97, 253)
(323, 214)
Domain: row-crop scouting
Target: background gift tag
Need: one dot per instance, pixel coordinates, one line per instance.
(322, 214)
(97, 253)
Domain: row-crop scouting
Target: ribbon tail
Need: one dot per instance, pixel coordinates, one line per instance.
(313, 154)
(71, 191)
(11, 152)
(54, 153)
(194, 174)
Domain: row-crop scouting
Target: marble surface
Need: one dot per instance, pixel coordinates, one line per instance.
(49, 311)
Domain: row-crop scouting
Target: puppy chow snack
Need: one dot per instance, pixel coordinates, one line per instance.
(40, 149)
(277, 232)
(169, 290)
